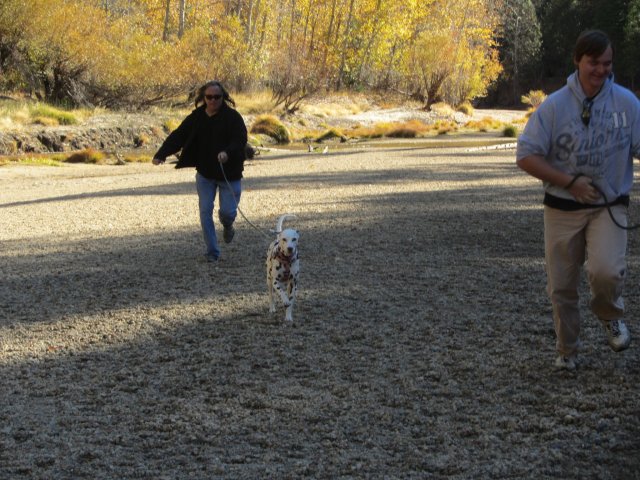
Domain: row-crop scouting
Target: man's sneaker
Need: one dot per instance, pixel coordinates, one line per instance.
(619, 337)
(565, 363)
(228, 233)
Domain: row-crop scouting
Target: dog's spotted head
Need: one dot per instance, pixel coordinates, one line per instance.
(288, 241)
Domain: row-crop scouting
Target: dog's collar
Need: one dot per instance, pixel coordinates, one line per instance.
(283, 257)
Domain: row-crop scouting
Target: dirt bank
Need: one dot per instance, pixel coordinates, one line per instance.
(124, 132)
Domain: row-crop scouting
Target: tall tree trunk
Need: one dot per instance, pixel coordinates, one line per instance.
(181, 18)
(248, 26)
(328, 40)
(343, 56)
(167, 15)
(374, 33)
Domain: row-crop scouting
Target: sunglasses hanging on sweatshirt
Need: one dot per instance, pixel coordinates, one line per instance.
(587, 103)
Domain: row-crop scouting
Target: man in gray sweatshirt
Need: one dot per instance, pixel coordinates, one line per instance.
(581, 142)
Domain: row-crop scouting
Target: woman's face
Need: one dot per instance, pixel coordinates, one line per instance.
(213, 98)
(594, 71)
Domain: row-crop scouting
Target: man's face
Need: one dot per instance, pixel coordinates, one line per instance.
(593, 71)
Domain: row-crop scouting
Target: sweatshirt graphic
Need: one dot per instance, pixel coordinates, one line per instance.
(602, 150)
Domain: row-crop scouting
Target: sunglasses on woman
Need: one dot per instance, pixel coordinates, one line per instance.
(213, 97)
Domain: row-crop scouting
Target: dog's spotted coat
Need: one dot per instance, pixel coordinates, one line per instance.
(283, 267)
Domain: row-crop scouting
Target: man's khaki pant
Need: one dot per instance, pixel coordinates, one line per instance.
(571, 238)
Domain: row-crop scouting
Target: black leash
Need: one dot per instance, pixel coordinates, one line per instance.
(608, 205)
(257, 229)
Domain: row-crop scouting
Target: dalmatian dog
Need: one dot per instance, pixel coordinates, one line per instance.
(283, 267)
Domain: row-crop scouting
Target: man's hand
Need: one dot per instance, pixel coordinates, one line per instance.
(157, 161)
(223, 157)
(583, 191)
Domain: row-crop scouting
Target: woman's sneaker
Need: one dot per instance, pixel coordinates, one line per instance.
(565, 363)
(228, 233)
(618, 335)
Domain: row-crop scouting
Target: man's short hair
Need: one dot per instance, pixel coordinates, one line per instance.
(592, 43)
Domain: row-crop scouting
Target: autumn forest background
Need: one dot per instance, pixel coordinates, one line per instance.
(137, 53)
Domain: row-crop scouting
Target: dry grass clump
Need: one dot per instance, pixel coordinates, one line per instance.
(254, 103)
(17, 113)
(137, 158)
(141, 139)
(442, 127)
(171, 124)
(409, 129)
(485, 124)
(50, 116)
(534, 98)
(331, 133)
(88, 155)
(442, 108)
(272, 127)
(337, 104)
(13, 113)
(465, 108)
(40, 160)
(375, 131)
(510, 131)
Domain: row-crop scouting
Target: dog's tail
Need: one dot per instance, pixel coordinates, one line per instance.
(282, 219)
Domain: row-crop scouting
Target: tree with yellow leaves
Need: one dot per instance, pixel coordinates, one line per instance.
(453, 56)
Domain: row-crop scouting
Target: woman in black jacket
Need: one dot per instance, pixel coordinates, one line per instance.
(212, 138)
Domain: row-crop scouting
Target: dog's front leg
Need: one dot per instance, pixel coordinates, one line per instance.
(272, 297)
(292, 289)
(288, 316)
(285, 300)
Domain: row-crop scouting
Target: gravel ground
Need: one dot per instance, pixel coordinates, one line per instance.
(421, 346)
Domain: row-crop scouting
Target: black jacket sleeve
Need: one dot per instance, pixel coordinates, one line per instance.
(178, 138)
(238, 138)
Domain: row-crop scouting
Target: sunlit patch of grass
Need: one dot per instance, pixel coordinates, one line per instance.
(374, 131)
(326, 110)
(17, 113)
(141, 139)
(42, 162)
(409, 129)
(485, 124)
(88, 155)
(465, 108)
(254, 103)
(336, 104)
(137, 158)
(171, 124)
(13, 113)
(330, 134)
(37, 160)
(47, 113)
(442, 108)
(442, 127)
(271, 126)
(45, 121)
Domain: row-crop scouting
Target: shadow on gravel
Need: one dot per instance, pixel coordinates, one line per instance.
(185, 188)
(422, 349)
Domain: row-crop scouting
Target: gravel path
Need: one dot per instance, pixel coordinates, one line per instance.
(421, 348)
